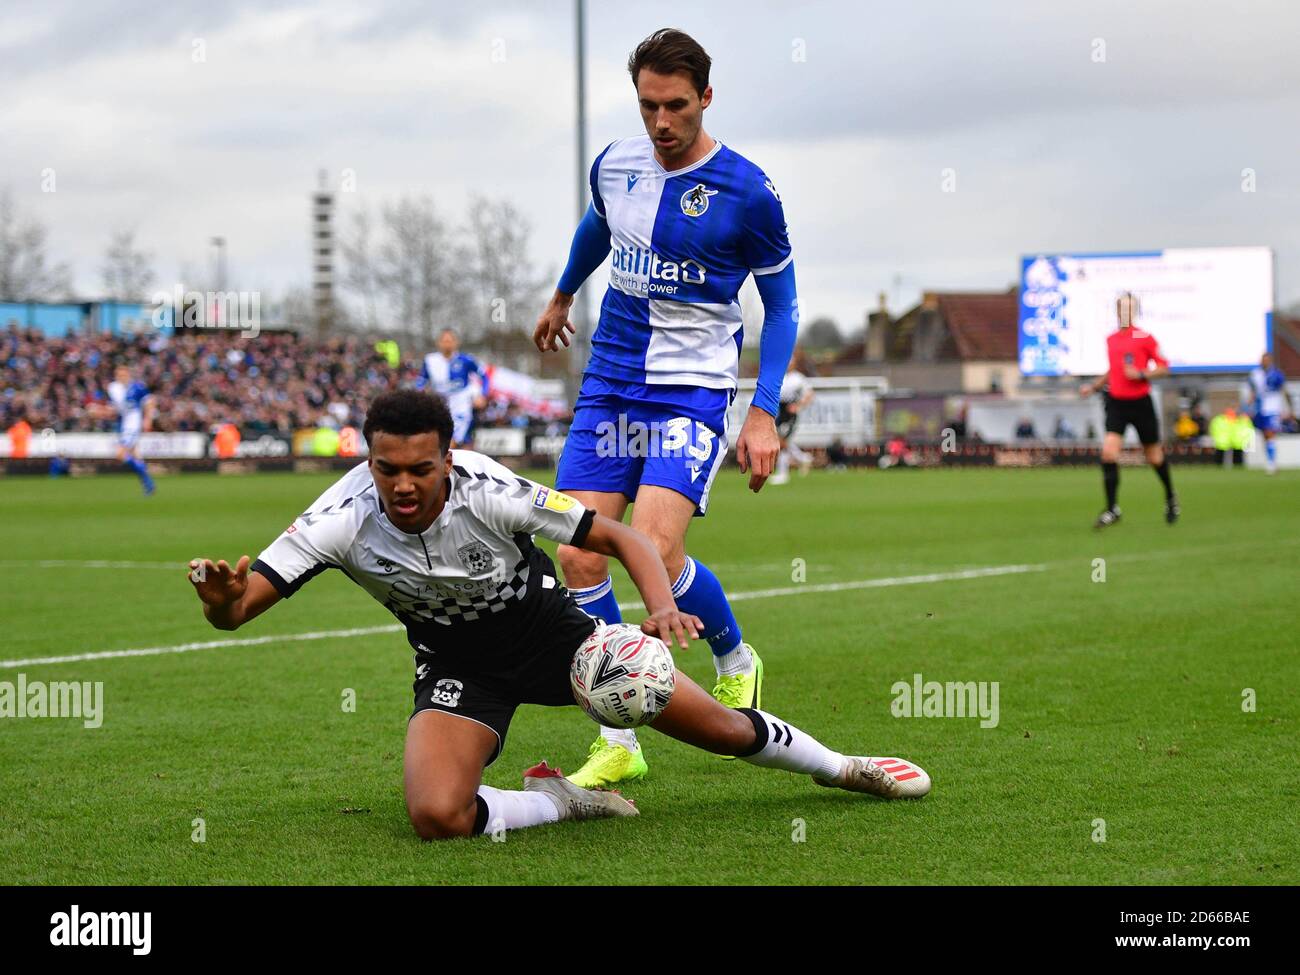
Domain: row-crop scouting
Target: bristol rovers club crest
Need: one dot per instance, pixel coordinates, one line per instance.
(696, 200)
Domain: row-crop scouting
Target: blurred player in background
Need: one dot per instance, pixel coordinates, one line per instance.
(134, 407)
(459, 379)
(1134, 360)
(796, 393)
(1268, 404)
(688, 220)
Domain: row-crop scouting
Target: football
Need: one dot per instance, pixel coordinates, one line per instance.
(622, 677)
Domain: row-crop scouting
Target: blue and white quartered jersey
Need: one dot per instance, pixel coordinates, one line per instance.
(451, 379)
(1270, 391)
(681, 245)
(129, 401)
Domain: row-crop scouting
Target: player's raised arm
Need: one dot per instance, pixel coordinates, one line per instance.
(230, 597)
(644, 564)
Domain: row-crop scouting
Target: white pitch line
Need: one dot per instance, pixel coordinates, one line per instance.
(995, 570)
(178, 566)
(207, 645)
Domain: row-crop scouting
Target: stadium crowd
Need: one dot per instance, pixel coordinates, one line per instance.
(276, 382)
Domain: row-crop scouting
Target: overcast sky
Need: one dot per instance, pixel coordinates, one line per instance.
(854, 109)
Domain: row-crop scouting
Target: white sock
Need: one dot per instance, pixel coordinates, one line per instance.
(791, 749)
(783, 463)
(517, 810)
(737, 660)
(619, 736)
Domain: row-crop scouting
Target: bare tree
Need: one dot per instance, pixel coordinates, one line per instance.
(297, 308)
(359, 275)
(126, 271)
(413, 266)
(414, 271)
(507, 291)
(25, 274)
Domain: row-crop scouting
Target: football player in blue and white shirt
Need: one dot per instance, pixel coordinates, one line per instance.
(1269, 404)
(459, 379)
(443, 539)
(685, 220)
(134, 407)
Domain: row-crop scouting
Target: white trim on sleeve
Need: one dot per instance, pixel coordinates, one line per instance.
(775, 268)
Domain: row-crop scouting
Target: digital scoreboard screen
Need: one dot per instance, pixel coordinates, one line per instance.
(1209, 308)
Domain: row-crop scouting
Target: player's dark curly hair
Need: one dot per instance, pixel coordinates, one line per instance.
(406, 412)
(668, 51)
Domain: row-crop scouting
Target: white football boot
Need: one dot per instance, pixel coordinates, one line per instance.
(888, 778)
(573, 801)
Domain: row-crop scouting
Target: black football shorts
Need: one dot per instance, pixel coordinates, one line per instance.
(1139, 413)
(538, 674)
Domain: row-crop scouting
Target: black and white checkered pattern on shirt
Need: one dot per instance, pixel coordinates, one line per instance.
(452, 609)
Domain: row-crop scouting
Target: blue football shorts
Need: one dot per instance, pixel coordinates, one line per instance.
(626, 434)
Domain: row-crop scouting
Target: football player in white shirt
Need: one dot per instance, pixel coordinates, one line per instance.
(444, 540)
(796, 393)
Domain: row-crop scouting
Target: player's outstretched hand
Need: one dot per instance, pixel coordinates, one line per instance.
(757, 447)
(554, 323)
(668, 623)
(218, 584)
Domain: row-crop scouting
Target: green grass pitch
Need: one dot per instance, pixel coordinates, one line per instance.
(1119, 700)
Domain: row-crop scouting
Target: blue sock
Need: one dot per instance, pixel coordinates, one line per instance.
(142, 472)
(1270, 448)
(698, 592)
(599, 601)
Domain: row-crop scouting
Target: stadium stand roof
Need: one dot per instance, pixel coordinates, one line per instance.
(946, 326)
(982, 325)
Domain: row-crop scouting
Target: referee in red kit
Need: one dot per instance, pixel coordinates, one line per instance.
(1132, 354)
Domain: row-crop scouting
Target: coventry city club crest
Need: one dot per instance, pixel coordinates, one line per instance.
(695, 201)
(447, 692)
(476, 557)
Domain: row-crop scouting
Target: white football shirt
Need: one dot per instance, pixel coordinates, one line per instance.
(472, 582)
(793, 387)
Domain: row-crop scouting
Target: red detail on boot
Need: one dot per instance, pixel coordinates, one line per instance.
(543, 771)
